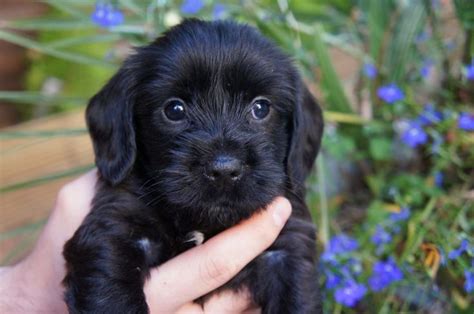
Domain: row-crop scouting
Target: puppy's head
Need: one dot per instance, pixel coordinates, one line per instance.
(211, 117)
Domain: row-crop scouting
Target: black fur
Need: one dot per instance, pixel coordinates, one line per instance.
(152, 183)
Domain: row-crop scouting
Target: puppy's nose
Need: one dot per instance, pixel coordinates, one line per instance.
(224, 168)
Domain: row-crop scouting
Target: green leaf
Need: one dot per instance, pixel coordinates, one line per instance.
(376, 183)
(402, 49)
(133, 6)
(71, 7)
(343, 118)
(378, 20)
(74, 57)
(339, 146)
(46, 133)
(380, 148)
(36, 98)
(80, 40)
(465, 12)
(51, 24)
(45, 179)
(129, 29)
(334, 94)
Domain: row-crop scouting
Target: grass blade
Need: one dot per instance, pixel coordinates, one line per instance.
(30, 44)
(45, 179)
(344, 118)
(50, 24)
(71, 7)
(401, 49)
(24, 97)
(334, 94)
(74, 41)
(378, 20)
(46, 133)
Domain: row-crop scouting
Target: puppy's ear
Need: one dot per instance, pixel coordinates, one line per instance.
(306, 133)
(110, 120)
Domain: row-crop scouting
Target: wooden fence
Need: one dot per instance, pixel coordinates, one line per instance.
(26, 201)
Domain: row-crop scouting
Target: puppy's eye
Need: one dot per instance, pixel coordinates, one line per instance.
(260, 108)
(174, 110)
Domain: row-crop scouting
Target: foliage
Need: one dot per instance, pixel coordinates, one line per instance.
(396, 232)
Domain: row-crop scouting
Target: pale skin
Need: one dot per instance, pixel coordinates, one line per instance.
(34, 284)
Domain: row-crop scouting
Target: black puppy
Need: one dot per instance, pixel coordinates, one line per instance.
(197, 131)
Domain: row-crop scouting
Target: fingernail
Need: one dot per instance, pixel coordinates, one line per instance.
(281, 211)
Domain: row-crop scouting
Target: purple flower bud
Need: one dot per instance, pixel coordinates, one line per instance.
(219, 11)
(342, 243)
(429, 115)
(350, 293)
(390, 93)
(470, 71)
(332, 280)
(438, 178)
(414, 135)
(384, 274)
(381, 236)
(426, 68)
(105, 15)
(454, 254)
(404, 214)
(469, 283)
(192, 6)
(466, 121)
(370, 70)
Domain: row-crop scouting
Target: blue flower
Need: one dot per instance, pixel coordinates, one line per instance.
(469, 283)
(342, 243)
(380, 238)
(466, 121)
(454, 254)
(470, 71)
(332, 280)
(338, 244)
(384, 274)
(370, 70)
(429, 115)
(219, 11)
(106, 15)
(404, 214)
(390, 93)
(426, 68)
(350, 293)
(414, 135)
(438, 178)
(192, 6)
(329, 257)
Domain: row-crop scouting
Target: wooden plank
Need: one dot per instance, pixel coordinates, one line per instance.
(24, 159)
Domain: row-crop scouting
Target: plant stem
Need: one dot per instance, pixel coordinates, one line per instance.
(324, 225)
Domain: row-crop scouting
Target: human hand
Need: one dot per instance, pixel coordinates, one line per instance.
(175, 284)
(34, 284)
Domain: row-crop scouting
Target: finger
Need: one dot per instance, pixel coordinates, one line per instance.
(231, 302)
(207, 267)
(74, 199)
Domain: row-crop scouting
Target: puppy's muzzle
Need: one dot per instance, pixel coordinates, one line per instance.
(224, 169)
